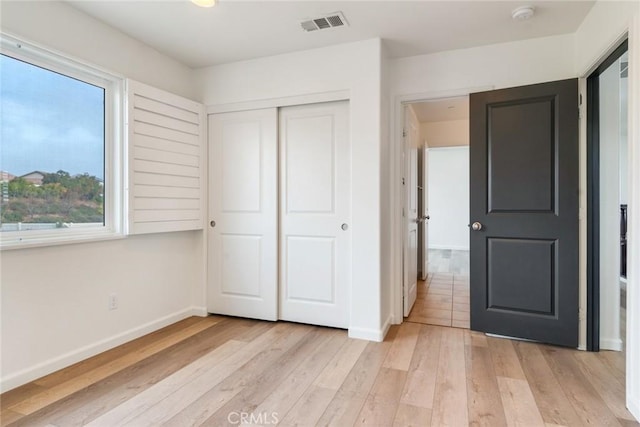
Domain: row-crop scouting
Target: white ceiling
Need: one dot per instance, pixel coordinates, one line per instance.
(441, 110)
(236, 30)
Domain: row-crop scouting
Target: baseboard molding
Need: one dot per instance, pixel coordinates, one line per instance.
(453, 248)
(376, 335)
(633, 405)
(385, 327)
(614, 344)
(49, 366)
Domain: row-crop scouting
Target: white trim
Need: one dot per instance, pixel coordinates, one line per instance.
(312, 98)
(395, 176)
(613, 344)
(453, 248)
(449, 148)
(376, 335)
(52, 365)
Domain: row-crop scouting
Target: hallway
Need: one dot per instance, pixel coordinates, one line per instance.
(443, 299)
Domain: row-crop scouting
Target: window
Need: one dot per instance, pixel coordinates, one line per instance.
(60, 148)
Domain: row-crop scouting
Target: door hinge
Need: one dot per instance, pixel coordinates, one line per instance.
(402, 181)
(404, 133)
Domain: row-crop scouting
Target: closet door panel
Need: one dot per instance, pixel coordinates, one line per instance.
(243, 247)
(315, 214)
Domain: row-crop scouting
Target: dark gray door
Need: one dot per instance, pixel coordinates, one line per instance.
(524, 212)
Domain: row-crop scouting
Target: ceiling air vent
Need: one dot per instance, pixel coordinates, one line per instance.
(331, 20)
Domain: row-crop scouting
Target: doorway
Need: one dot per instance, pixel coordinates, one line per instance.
(607, 175)
(443, 202)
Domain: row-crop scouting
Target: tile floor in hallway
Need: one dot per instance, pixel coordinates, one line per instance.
(443, 299)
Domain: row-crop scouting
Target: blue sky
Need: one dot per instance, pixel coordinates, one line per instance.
(49, 121)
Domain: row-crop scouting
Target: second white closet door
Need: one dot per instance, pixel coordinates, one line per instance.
(315, 214)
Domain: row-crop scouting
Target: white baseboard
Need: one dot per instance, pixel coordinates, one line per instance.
(49, 366)
(453, 248)
(614, 344)
(376, 335)
(633, 405)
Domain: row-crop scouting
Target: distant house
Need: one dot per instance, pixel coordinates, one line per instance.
(34, 177)
(6, 176)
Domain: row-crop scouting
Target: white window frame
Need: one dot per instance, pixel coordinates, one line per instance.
(114, 147)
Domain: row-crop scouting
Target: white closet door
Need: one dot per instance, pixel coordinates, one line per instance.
(315, 214)
(243, 247)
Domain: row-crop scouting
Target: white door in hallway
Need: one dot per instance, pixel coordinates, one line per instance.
(243, 247)
(425, 213)
(315, 214)
(411, 211)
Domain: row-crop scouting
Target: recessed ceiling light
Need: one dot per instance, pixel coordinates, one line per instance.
(523, 13)
(204, 3)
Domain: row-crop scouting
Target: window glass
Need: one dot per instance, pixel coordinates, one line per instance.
(52, 149)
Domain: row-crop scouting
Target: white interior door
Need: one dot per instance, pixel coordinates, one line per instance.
(411, 211)
(315, 214)
(425, 213)
(243, 247)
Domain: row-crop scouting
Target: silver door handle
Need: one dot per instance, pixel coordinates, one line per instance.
(476, 226)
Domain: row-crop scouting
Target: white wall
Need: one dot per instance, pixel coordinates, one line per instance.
(450, 133)
(315, 72)
(386, 280)
(494, 66)
(448, 181)
(54, 300)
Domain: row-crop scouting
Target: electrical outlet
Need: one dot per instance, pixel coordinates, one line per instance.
(113, 302)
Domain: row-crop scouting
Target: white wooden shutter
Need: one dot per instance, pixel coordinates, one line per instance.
(166, 161)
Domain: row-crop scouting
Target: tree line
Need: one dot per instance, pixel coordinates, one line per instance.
(62, 197)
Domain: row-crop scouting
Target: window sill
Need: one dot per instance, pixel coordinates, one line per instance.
(26, 242)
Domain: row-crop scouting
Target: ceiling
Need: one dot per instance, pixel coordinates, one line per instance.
(441, 110)
(237, 30)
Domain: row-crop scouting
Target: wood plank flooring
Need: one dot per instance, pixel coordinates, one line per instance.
(228, 371)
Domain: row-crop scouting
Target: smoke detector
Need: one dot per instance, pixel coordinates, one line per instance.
(523, 13)
(331, 20)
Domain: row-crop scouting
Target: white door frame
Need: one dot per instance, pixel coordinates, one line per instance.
(396, 190)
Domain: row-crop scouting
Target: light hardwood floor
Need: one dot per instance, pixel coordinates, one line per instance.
(216, 370)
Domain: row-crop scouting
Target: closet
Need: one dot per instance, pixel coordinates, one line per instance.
(279, 240)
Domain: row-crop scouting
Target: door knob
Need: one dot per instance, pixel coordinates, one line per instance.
(212, 224)
(476, 226)
(344, 226)
(427, 217)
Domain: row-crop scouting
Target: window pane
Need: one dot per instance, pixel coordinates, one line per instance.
(51, 149)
